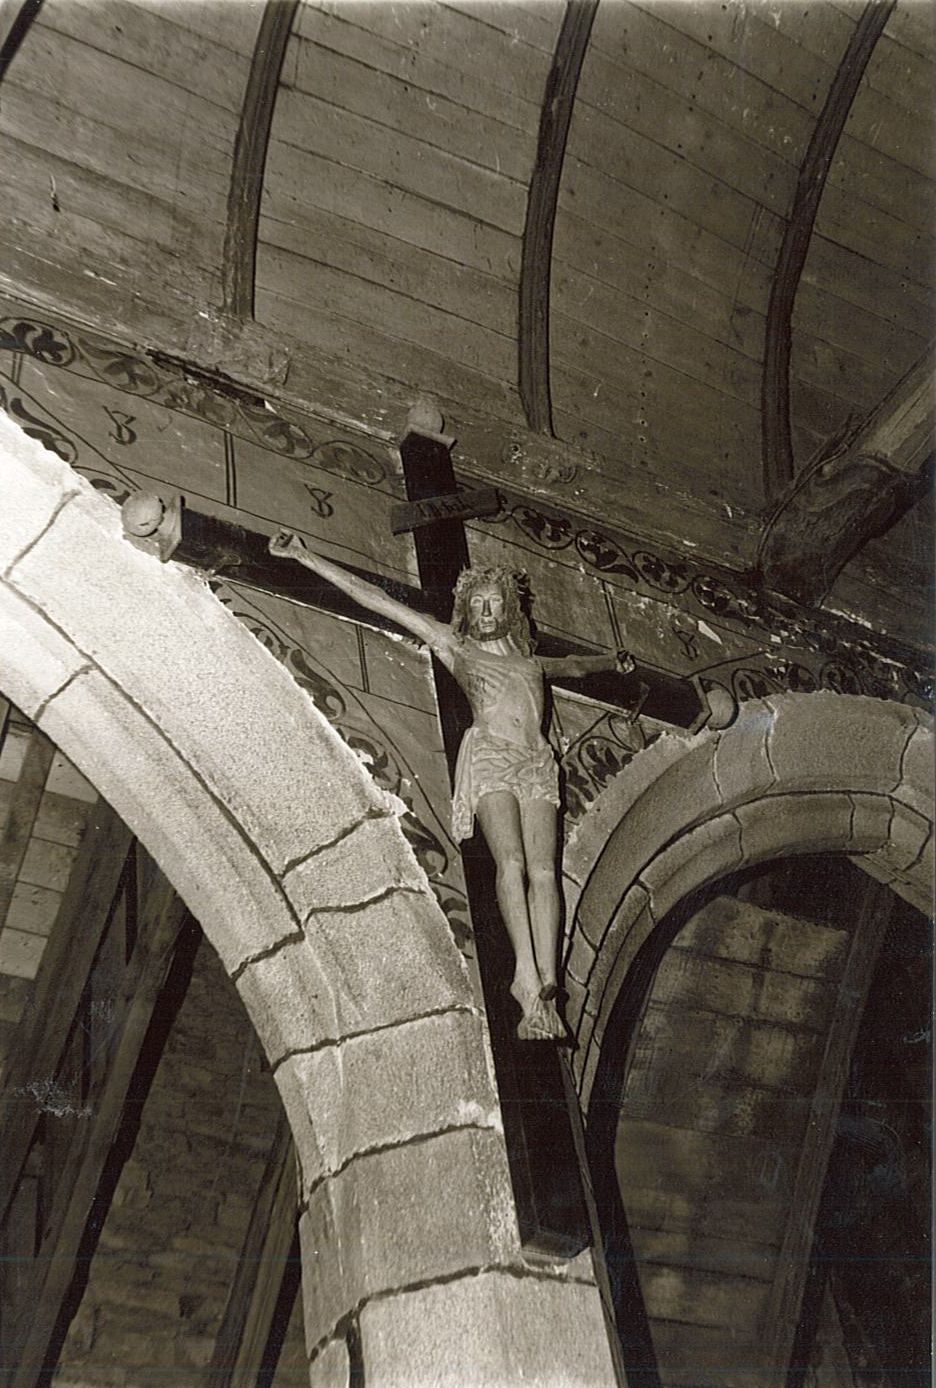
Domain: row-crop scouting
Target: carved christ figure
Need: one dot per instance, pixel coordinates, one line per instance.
(506, 774)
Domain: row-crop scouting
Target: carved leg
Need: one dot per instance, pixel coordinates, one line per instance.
(538, 826)
(499, 817)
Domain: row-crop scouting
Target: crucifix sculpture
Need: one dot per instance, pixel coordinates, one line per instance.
(506, 775)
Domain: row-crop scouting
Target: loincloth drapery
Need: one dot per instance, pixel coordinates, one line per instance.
(487, 764)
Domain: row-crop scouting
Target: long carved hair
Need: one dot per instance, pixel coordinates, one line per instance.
(516, 599)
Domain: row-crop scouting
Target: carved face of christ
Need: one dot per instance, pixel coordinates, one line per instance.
(486, 619)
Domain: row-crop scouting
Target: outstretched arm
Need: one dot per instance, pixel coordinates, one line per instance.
(436, 634)
(574, 667)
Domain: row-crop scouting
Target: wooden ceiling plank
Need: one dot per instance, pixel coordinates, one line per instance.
(143, 41)
(535, 22)
(533, 336)
(249, 158)
(21, 814)
(370, 303)
(666, 179)
(898, 195)
(672, 121)
(149, 165)
(400, 360)
(306, 123)
(632, 261)
(642, 40)
(97, 83)
(776, 447)
(357, 249)
(100, 223)
(232, 27)
(824, 323)
(908, 78)
(336, 34)
(299, 184)
(394, 102)
(730, 155)
(579, 302)
(440, 35)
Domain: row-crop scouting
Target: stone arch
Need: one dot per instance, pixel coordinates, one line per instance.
(295, 865)
(795, 773)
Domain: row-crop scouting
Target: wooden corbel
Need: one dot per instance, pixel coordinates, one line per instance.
(857, 488)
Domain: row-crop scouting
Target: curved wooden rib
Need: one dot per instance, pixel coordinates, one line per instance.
(558, 98)
(250, 149)
(13, 31)
(777, 446)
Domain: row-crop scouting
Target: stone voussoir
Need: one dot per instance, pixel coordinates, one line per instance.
(388, 960)
(220, 696)
(228, 889)
(871, 822)
(367, 861)
(290, 999)
(826, 739)
(35, 660)
(402, 1082)
(682, 794)
(642, 773)
(494, 1322)
(424, 1210)
(909, 833)
(331, 1367)
(742, 766)
(916, 787)
(36, 485)
(781, 825)
(707, 852)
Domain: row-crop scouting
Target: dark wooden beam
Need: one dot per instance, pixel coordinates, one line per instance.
(245, 1327)
(13, 30)
(541, 1153)
(24, 806)
(72, 1190)
(250, 151)
(776, 438)
(782, 1312)
(542, 198)
(858, 488)
(66, 962)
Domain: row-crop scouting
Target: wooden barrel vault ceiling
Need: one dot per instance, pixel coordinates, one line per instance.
(687, 236)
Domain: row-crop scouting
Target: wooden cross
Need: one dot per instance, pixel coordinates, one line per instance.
(541, 1120)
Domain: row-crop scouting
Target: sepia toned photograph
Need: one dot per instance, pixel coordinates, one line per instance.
(467, 663)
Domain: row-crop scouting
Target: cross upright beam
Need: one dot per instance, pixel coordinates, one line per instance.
(541, 1151)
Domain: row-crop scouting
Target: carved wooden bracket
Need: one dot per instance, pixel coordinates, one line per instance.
(857, 489)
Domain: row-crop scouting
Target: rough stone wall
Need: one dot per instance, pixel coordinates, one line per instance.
(170, 1244)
